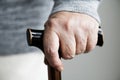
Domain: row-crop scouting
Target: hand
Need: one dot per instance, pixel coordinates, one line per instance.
(72, 33)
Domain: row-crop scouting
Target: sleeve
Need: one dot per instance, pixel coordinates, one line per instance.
(88, 7)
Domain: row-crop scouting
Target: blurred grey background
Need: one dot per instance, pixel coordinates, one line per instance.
(102, 63)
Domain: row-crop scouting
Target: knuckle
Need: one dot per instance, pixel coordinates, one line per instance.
(50, 52)
(51, 23)
(80, 48)
(68, 26)
(68, 53)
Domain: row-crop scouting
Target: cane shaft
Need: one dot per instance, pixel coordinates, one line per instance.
(53, 74)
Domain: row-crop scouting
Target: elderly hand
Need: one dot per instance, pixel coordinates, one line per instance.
(72, 33)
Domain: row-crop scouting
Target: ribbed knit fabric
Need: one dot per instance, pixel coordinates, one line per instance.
(18, 15)
(88, 7)
(15, 17)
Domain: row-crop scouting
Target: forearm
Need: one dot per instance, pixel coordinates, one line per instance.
(88, 7)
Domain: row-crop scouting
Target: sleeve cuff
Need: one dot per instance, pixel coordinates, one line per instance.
(88, 7)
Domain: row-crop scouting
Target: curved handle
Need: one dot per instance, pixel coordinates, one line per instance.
(100, 41)
(35, 38)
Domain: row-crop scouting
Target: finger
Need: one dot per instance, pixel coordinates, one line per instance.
(91, 42)
(68, 46)
(51, 46)
(80, 42)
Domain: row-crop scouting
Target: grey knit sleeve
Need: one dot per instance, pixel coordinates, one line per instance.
(88, 7)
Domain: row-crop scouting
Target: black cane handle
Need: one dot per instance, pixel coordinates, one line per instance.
(100, 41)
(35, 38)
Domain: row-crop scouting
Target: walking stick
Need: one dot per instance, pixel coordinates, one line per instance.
(35, 38)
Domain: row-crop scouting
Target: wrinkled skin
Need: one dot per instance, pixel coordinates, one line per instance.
(72, 33)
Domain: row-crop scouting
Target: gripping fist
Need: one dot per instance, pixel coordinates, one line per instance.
(72, 33)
